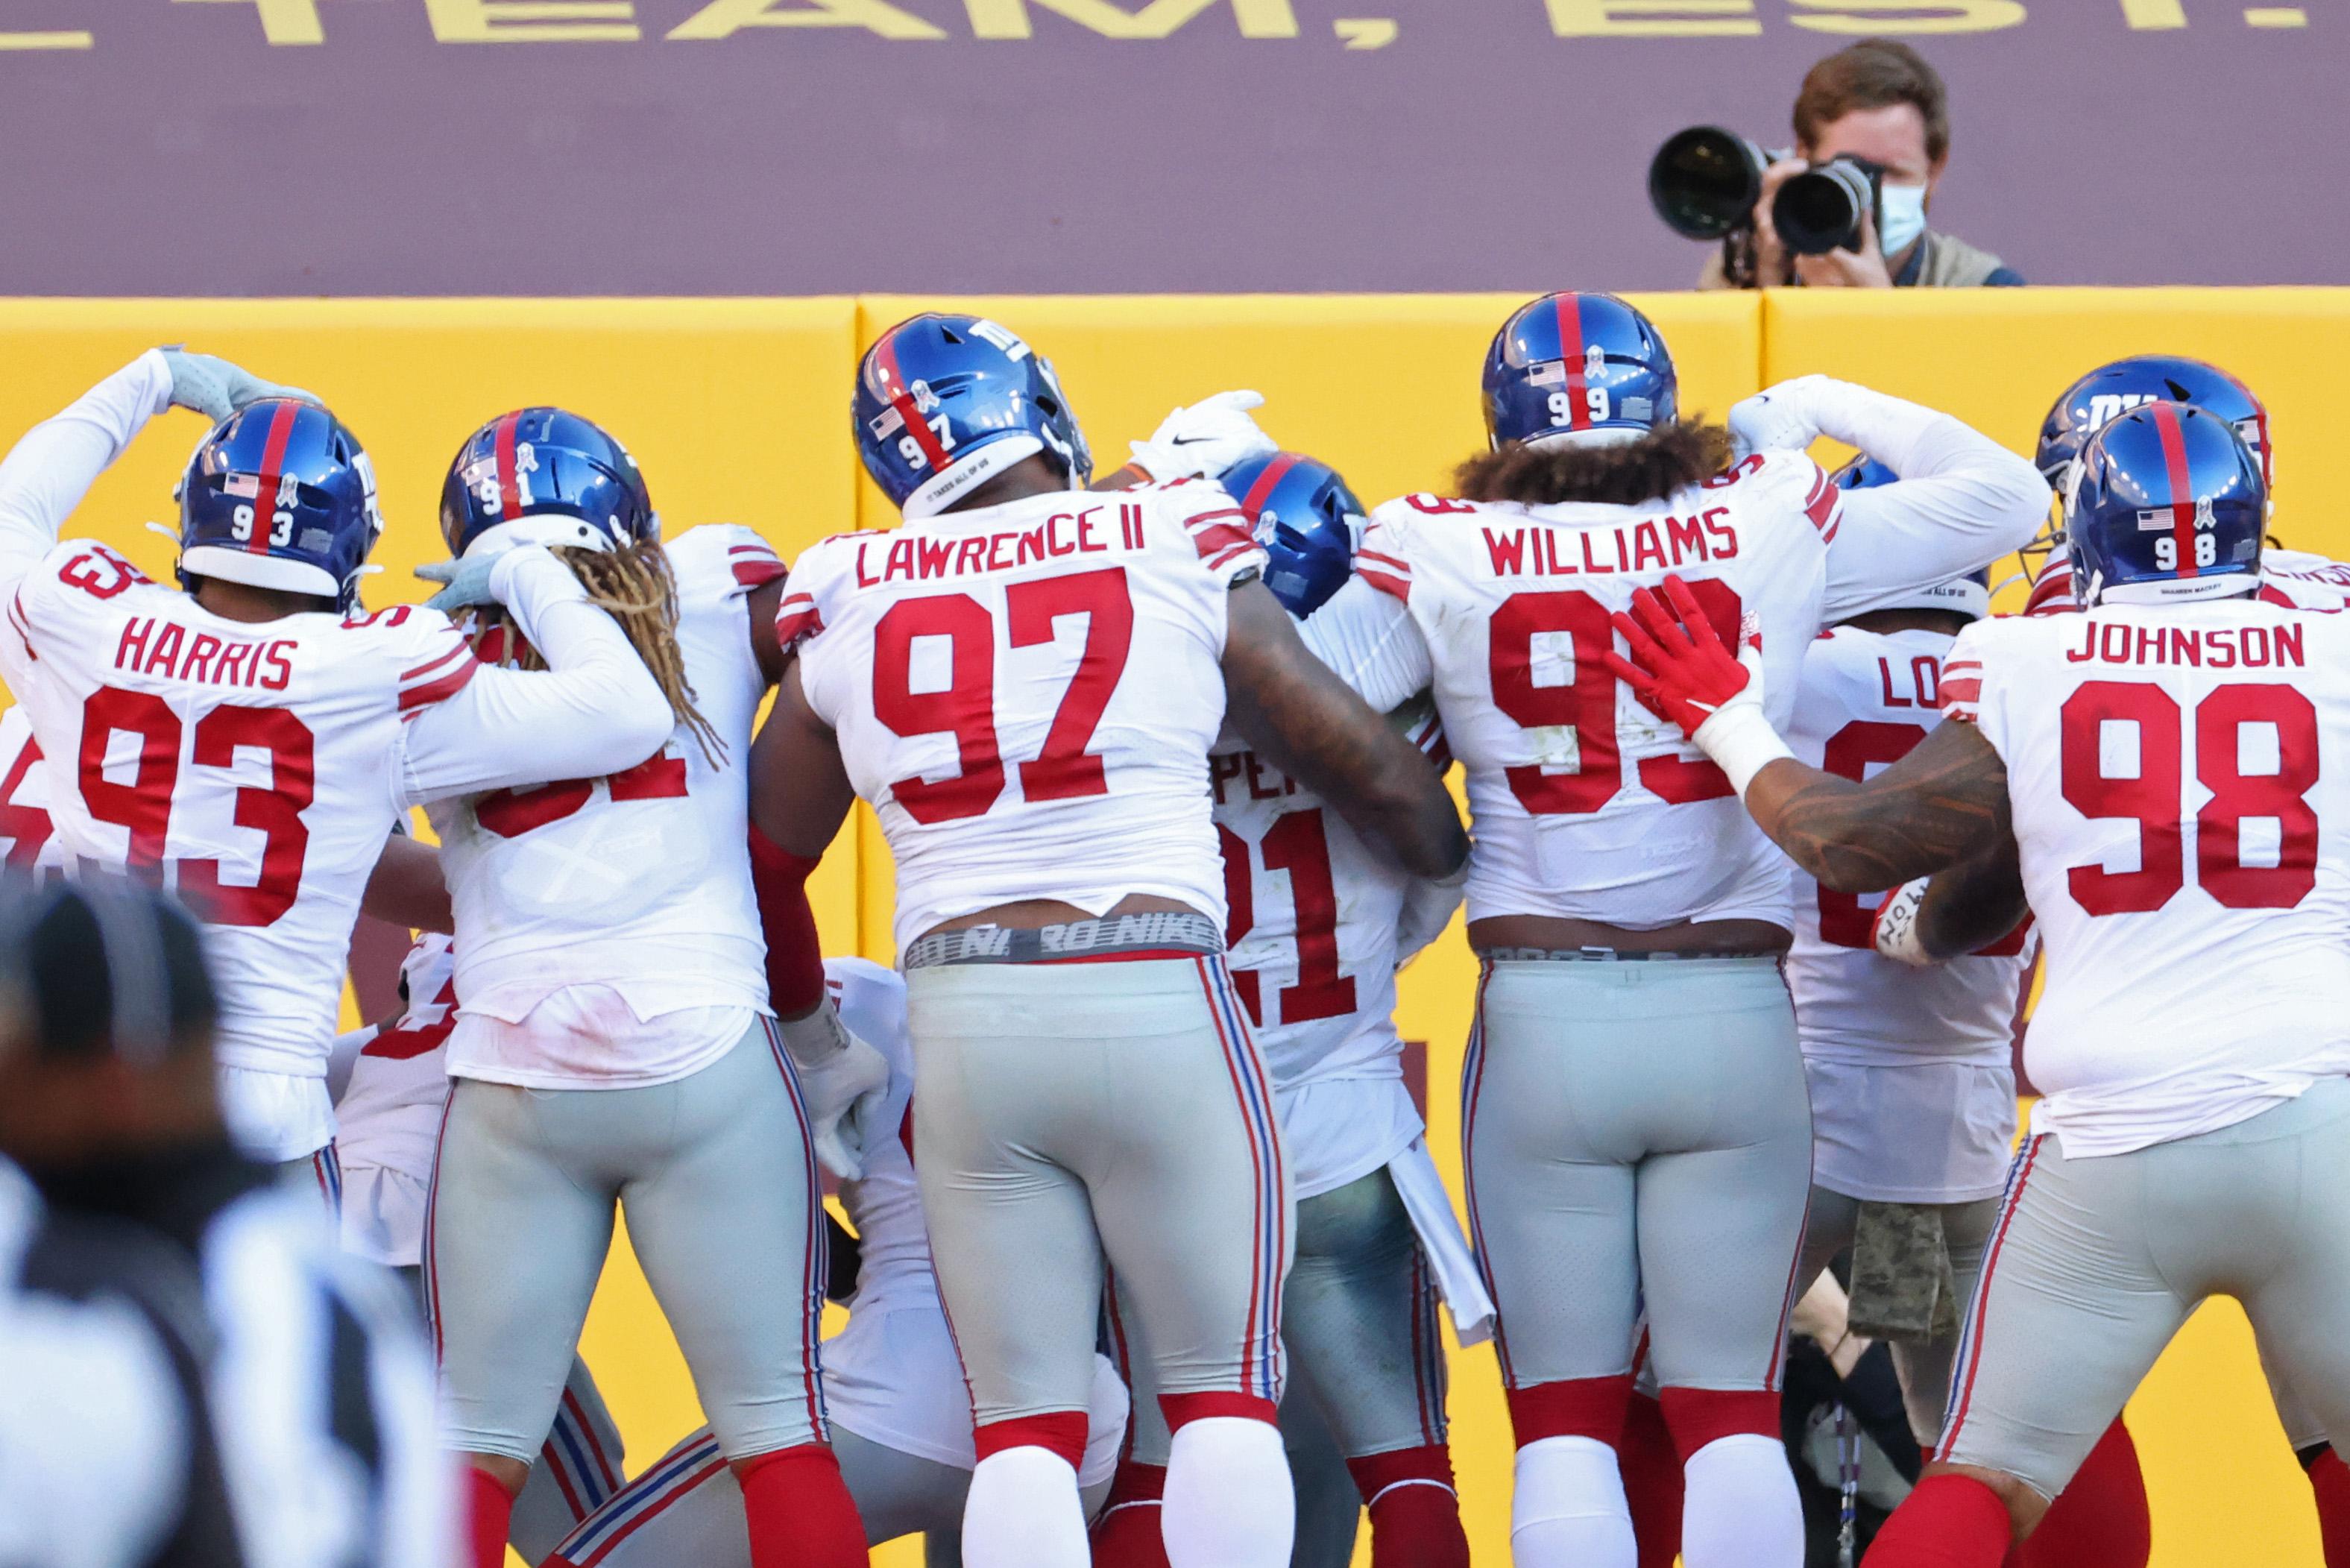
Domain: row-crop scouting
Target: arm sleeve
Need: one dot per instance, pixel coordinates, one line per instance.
(594, 709)
(1963, 501)
(48, 471)
(1369, 639)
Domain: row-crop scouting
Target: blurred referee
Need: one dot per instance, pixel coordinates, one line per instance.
(287, 1421)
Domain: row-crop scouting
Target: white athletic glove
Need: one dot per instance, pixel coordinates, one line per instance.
(1205, 438)
(216, 388)
(1780, 418)
(842, 1081)
(473, 580)
(1894, 932)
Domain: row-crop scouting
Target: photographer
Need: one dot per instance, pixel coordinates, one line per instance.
(1877, 101)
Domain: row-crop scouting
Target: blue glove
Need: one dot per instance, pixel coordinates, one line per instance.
(467, 583)
(215, 389)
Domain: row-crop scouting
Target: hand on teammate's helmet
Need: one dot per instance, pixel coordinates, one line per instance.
(1777, 419)
(843, 1080)
(215, 388)
(1204, 439)
(469, 580)
(1679, 669)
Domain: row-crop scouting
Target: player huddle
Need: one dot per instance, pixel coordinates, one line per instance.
(1769, 816)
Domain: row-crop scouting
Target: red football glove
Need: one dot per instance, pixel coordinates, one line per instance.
(1679, 669)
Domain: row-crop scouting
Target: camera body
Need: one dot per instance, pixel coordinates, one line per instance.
(1705, 181)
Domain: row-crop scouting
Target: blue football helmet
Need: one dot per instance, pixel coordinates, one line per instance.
(1308, 521)
(575, 484)
(944, 403)
(2110, 389)
(1577, 366)
(1969, 596)
(279, 496)
(2166, 504)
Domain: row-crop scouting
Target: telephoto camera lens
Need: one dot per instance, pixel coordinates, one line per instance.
(1705, 180)
(1820, 210)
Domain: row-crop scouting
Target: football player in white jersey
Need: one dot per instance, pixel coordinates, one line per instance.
(900, 1414)
(1634, 1098)
(390, 1083)
(1025, 681)
(2158, 780)
(1317, 926)
(250, 742)
(627, 1037)
(1912, 1091)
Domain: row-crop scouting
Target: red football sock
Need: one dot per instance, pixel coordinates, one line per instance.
(1415, 1513)
(2100, 1519)
(799, 1511)
(1948, 1522)
(1651, 1469)
(1127, 1535)
(489, 1514)
(2329, 1477)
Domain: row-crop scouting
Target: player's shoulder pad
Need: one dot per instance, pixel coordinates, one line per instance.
(816, 583)
(1197, 516)
(1784, 479)
(721, 559)
(1977, 650)
(427, 657)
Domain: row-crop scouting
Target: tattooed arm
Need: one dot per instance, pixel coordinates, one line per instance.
(1298, 716)
(1944, 803)
(1974, 903)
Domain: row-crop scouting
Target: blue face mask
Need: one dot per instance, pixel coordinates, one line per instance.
(1903, 210)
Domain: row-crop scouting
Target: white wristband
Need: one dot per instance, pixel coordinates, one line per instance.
(1894, 932)
(816, 1039)
(1741, 742)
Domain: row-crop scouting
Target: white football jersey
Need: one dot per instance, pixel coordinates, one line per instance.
(1586, 805)
(1028, 693)
(390, 1111)
(254, 769)
(1940, 1127)
(26, 837)
(2179, 778)
(638, 883)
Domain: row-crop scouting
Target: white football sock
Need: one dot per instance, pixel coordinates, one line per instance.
(1228, 1498)
(1023, 1512)
(1567, 1507)
(1739, 1508)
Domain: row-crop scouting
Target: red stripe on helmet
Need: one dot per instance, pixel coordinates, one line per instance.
(1267, 482)
(1570, 347)
(901, 398)
(509, 494)
(2182, 494)
(273, 468)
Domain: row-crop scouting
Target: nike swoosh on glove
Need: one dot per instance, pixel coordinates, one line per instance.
(216, 388)
(843, 1080)
(1778, 419)
(1204, 439)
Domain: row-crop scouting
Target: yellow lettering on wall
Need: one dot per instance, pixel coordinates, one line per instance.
(1908, 15)
(1653, 18)
(2154, 16)
(287, 21)
(532, 21)
(1156, 20)
(722, 19)
(44, 41)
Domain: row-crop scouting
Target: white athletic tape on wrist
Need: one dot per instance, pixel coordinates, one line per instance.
(1894, 931)
(1741, 742)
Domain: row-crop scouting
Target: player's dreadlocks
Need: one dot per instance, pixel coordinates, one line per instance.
(1668, 459)
(635, 586)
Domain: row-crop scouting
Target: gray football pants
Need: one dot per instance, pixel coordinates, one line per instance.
(1073, 1113)
(1637, 1133)
(1358, 1320)
(581, 1468)
(1924, 1369)
(2094, 1263)
(716, 1175)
